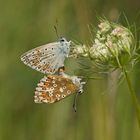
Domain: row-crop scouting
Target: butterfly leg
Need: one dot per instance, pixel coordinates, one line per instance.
(75, 101)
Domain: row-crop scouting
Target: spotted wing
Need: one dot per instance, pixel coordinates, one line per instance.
(46, 59)
(54, 88)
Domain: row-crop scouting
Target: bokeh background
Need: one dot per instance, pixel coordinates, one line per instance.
(105, 110)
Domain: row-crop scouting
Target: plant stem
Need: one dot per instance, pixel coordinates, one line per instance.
(133, 95)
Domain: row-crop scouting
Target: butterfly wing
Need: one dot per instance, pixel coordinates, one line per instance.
(46, 59)
(54, 88)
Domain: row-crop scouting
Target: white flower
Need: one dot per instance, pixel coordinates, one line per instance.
(104, 26)
(80, 50)
(118, 31)
(112, 41)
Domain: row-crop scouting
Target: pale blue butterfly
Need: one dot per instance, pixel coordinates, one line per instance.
(48, 58)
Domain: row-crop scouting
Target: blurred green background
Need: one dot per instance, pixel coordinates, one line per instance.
(105, 110)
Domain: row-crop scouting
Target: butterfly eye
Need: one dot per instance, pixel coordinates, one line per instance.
(80, 91)
(62, 40)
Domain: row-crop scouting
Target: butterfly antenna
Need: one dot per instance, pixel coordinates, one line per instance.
(56, 29)
(75, 102)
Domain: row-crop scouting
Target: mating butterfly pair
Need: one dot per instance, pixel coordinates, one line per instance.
(49, 59)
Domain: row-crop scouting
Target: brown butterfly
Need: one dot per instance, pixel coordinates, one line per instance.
(54, 88)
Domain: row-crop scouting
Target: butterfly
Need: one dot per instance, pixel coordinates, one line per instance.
(48, 58)
(53, 88)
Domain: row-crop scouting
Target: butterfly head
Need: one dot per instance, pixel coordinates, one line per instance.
(65, 46)
(63, 41)
(77, 81)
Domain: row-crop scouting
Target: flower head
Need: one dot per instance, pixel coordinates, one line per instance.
(79, 50)
(111, 43)
(104, 26)
(113, 46)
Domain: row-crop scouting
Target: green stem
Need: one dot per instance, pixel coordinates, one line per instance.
(133, 95)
